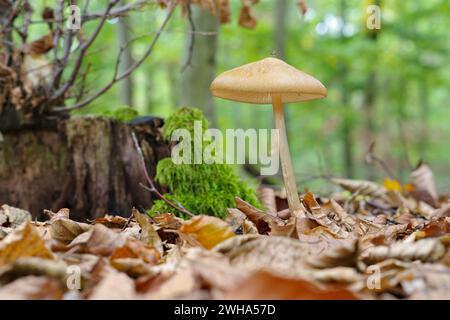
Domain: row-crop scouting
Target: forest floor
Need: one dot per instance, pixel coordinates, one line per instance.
(370, 241)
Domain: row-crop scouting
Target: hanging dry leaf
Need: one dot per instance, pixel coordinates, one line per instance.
(207, 230)
(24, 241)
(245, 18)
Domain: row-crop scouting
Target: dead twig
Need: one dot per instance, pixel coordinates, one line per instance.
(125, 74)
(150, 182)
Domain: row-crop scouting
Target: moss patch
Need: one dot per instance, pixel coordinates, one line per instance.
(201, 188)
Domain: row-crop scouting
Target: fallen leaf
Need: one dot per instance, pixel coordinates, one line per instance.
(32, 288)
(149, 235)
(62, 228)
(136, 249)
(424, 186)
(24, 241)
(98, 240)
(114, 285)
(266, 286)
(424, 250)
(11, 217)
(207, 230)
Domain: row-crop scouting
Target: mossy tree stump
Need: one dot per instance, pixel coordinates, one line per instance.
(87, 164)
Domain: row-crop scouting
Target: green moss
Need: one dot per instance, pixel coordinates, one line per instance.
(201, 188)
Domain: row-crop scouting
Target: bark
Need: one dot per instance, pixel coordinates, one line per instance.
(200, 72)
(86, 164)
(280, 28)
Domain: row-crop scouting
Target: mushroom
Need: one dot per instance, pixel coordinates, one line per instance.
(272, 81)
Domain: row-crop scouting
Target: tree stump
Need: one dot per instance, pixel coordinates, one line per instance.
(87, 164)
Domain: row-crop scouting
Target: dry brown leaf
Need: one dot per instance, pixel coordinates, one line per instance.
(149, 235)
(98, 240)
(361, 187)
(112, 221)
(32, 288)
(62, 228)
(11, 217)
(239, 223)
(32, 266)
(39, 46)
(114, 285)
(279, 255)
(136, 249)
(424, 250)
(424, 186)
(338, 254)
(24, 241)
(267, 198)
(132, 266)
(330, 216)
(263, 286)
(245, 18)
(207, 230)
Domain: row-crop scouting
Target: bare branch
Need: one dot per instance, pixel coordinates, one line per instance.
(150, 182)
(126, 73)
(83, 49)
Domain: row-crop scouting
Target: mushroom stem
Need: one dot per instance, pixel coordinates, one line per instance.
(285, 158)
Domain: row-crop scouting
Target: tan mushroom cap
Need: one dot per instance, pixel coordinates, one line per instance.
(256, 82)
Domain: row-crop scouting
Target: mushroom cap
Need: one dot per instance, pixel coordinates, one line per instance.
(256, 82)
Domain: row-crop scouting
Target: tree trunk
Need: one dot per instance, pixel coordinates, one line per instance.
(200, 72)
(347, 126)
(86, 164)
(126, 61)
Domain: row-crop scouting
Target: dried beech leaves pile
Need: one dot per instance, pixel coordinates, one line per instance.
(368, 242)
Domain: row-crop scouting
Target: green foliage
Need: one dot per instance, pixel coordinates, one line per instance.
(201, 188)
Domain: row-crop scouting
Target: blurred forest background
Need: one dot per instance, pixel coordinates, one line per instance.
(388, 86)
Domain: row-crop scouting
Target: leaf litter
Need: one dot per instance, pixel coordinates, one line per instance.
(373, 241)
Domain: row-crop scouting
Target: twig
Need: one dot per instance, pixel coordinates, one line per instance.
(152, 187)
(191, 39)
(83, 49)
(372, 157)
(125, 74)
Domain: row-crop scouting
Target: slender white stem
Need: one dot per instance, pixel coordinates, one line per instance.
(285, 158)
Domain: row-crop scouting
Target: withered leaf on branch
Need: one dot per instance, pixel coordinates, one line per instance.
(246, 19)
